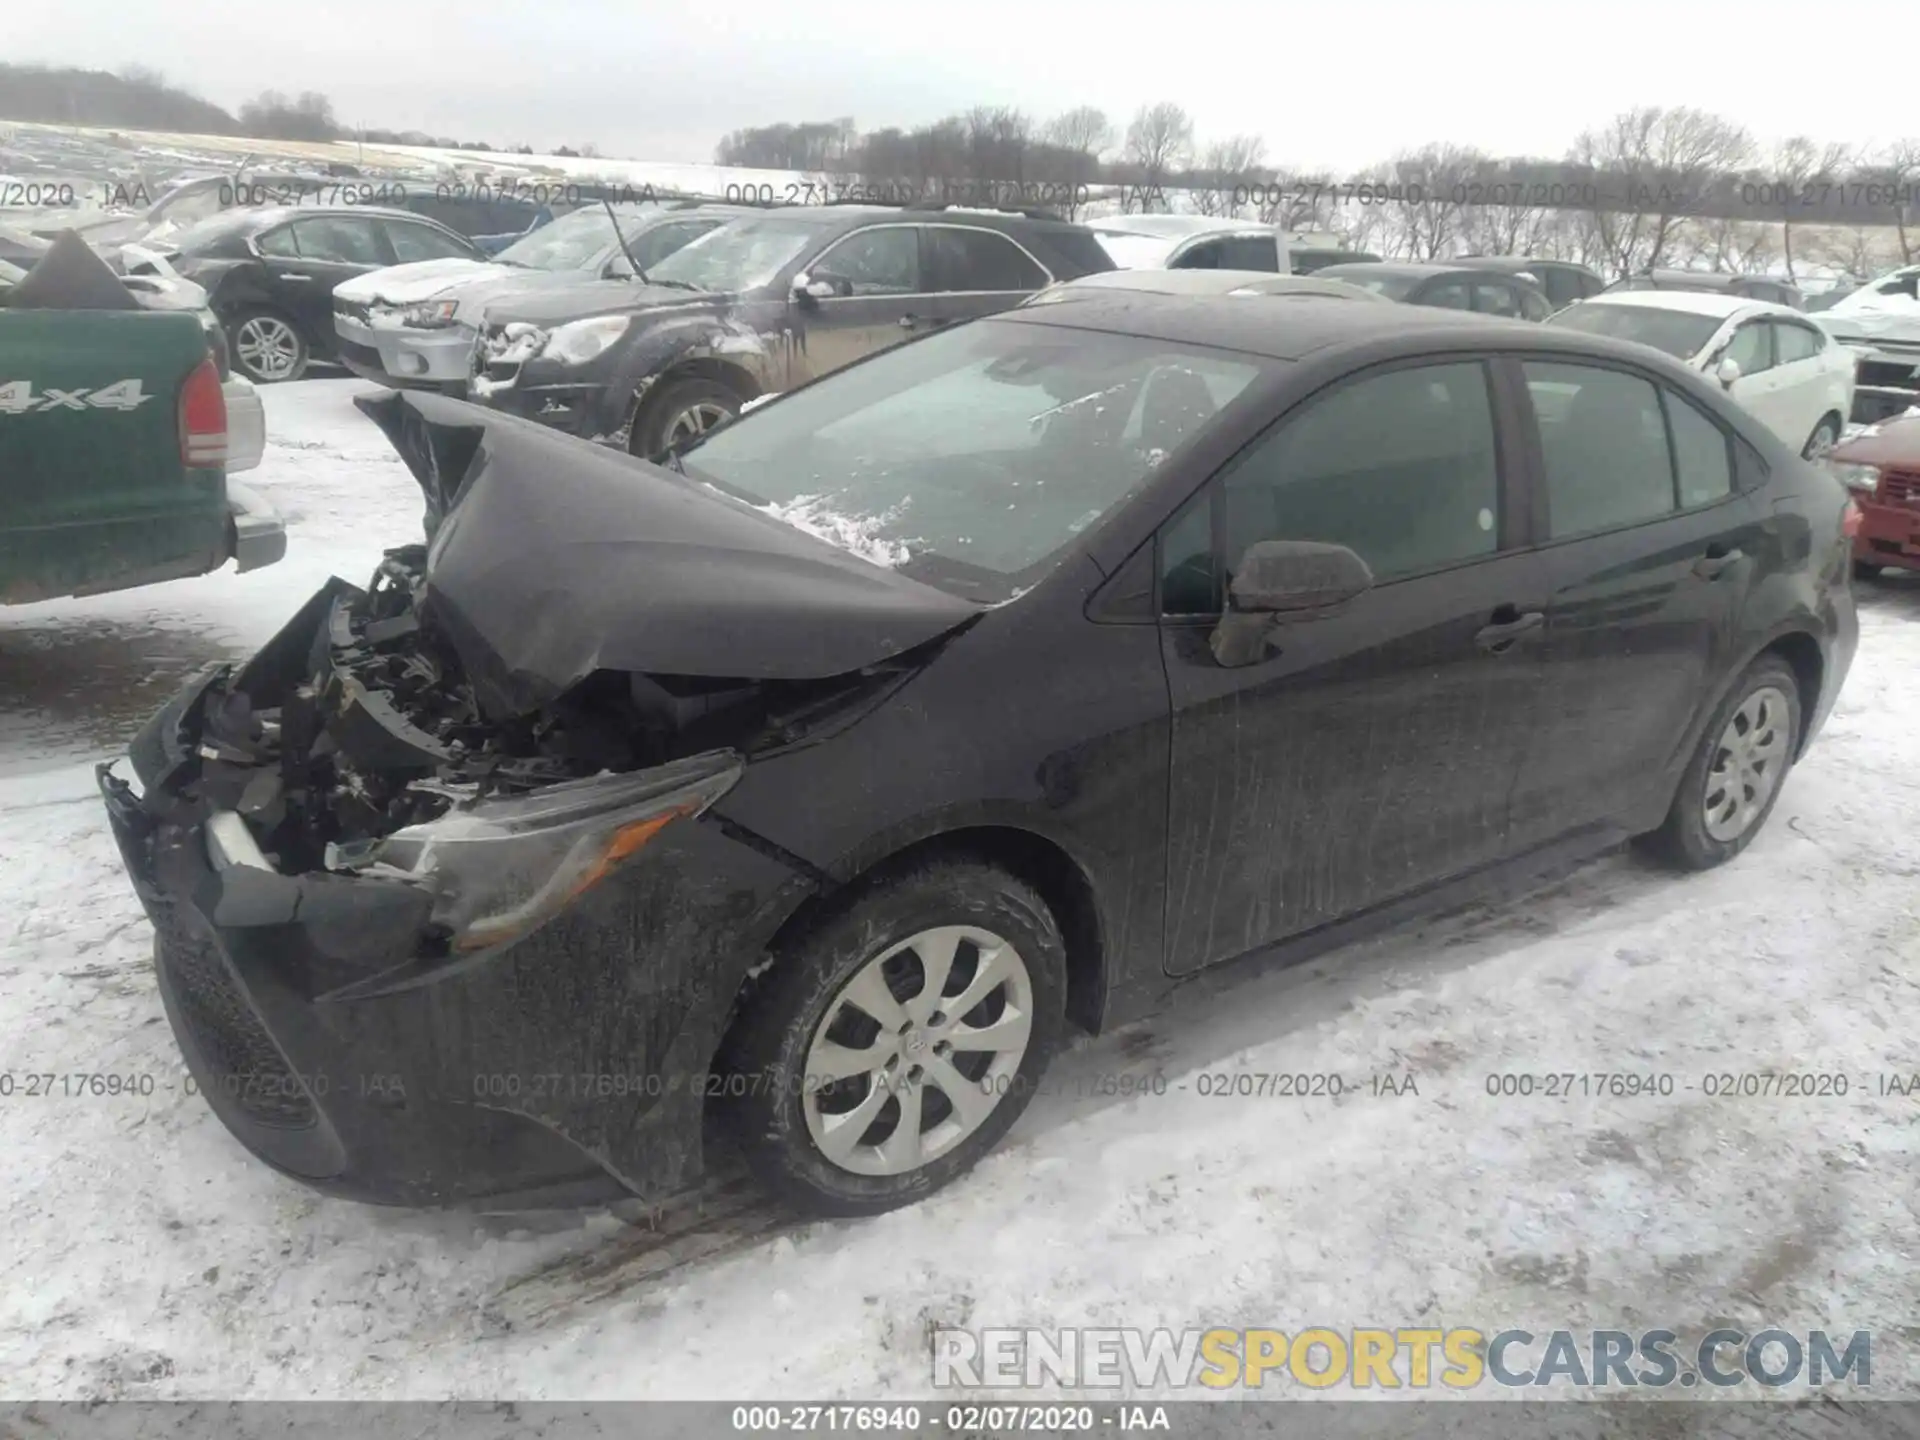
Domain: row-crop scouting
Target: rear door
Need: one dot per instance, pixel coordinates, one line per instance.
(879, 274)
(1807, 385)
(1372, 752)
(1647, 548)
(307, 257)
(93, 490)
(973, 272)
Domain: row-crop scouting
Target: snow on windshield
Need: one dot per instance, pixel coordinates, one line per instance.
(858, 533)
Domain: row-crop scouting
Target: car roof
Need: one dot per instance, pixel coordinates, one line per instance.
(1515, 263)
(1177, 226)
(1416, 268)
(253, 221)
(1306, 324)
(1219, 282)
(1722, 305)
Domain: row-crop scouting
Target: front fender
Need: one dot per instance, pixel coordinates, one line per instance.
(748, 358)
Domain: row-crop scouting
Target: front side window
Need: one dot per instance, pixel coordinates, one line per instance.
(971, 458)
(1495, 299)
(882, 261)
(1534, 306)
(1448, 295)
(338, 240)
(1418, 494)
(1603, 438)
(973, 260)
(278, 243)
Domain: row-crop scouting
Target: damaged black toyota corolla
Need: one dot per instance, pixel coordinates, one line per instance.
(803, 792)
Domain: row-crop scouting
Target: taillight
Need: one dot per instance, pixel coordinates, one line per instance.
(1851, 519)
(203, 418)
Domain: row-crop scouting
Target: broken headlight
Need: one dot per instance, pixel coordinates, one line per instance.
(580, 341)
(433, 315)
(500, 868)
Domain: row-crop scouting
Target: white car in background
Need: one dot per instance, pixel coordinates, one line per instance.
(1880, 325)
(1774, 361)
(1193, 242)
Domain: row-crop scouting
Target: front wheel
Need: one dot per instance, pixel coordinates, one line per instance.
(1735, 776)
(678, 411)
(1824, 437)
(897, 1043)
(266, 347)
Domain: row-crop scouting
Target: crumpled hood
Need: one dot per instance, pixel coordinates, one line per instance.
(418, 280)
(551, 557)
(555, 306)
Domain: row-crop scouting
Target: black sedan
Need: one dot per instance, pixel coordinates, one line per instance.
(270, 273)
(1450, 286)
(812, 787)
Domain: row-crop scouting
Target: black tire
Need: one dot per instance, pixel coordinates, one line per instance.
(1863, 570)
(237, 326)
(761, 1072)
(1829, 430)
(1682, 839)
(662, 409)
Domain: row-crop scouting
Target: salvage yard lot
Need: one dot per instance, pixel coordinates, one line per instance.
(150, 1255)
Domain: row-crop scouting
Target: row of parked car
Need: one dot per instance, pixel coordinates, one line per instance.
(644, 325)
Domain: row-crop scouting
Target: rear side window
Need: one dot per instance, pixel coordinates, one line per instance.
(1603, 438)
(1448, 295)
(338, 239)
(1249, 252)
(963, 260)
(278, 243)
(1795, 342)
(1492, 298)
(1416, 495)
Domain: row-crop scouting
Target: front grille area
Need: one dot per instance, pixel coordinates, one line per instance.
(246, 1064)
(1901, 488)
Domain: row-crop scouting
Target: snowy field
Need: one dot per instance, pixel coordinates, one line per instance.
(146, 1254)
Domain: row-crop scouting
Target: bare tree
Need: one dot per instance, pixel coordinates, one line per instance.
(1799, 172)
(1227, 166)
(1649, 167)
(1158, 142)
(1429, 187)
(1896, 174)
(1084, 129)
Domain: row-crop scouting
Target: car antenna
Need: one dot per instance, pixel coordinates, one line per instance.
(614, 220)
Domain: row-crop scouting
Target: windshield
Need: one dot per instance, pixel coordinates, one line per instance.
(573, 242)
(743, 255)
(968, 460)
(1675, 331)
(1380, 282)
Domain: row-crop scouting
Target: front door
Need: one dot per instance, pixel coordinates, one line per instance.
(1372, 752)
(1759, 388)
(877, 274)
(1648, 553)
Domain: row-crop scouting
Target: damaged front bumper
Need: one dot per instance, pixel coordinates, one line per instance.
(510, 1003)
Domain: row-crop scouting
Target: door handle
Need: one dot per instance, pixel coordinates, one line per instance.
(907, 322)
(1717, 558)
(294, 275)
(1498, 638)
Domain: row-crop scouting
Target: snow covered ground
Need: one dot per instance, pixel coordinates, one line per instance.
(145, 1254)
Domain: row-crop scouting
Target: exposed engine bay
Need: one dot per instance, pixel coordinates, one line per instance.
(379, 729)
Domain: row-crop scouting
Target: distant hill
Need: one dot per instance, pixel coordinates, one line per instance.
(134, 98)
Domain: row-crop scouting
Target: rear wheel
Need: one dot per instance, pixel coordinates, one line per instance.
(266, 346)
(899, 1041)
(1824, 437)
(1735, 776)
(681, 410)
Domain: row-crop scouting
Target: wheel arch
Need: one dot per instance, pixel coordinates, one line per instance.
(1037, 860)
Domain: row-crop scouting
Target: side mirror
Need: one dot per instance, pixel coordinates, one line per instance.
(1727, 371)
(820, 288)
(1284, 581)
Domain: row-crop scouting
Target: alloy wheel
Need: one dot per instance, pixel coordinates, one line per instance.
(268, 347)
(917, 1050)
(1820, 442)
(1747, 764)
(696, 420)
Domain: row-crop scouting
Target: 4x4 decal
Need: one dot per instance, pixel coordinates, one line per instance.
(17, 397)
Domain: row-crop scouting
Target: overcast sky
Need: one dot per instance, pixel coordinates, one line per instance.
(1333, 86)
